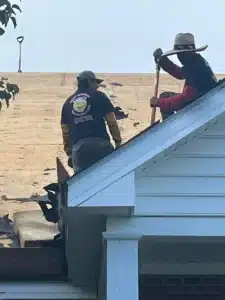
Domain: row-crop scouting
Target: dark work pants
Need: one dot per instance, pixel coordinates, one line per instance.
(88, 151)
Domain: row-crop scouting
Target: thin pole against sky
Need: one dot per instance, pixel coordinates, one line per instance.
(20, 40)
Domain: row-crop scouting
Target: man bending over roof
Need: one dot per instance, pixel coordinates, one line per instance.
(196, 72)
(83, 116)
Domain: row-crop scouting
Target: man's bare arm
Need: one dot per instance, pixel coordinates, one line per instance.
(65, 136)
(113, 128)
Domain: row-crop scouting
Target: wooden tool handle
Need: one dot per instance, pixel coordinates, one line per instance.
(155, 92)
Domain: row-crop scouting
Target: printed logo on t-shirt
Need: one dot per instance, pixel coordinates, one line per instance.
(81, 108)
(80, 105)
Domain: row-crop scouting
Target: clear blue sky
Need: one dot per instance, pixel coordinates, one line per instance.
(110, 36)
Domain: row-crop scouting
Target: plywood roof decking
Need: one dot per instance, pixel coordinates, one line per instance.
(163, 138)
(31, 136)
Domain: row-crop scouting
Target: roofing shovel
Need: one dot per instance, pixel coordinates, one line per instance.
(156, 88)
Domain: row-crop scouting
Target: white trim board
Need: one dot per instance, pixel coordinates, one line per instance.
(120, 193)
(168, 226)
(44, 290)
(180, 205)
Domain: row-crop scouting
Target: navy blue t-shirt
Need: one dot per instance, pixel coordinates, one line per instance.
(84, 113)
(199, 74)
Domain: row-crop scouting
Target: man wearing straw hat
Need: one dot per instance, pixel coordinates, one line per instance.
(198, 76)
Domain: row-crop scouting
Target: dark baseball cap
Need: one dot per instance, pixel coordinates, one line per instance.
(89, 75)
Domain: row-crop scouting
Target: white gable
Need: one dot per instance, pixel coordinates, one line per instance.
(172, 133)
(189, 181)
(120, 194)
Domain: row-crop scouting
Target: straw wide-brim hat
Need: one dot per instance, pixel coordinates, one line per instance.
(184, 42)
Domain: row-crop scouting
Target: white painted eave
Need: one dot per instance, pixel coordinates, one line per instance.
(160, 140)
(188, 226)
(43, 290)
(119, 194)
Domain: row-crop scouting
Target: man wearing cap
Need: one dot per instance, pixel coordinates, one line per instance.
(199, 77)
(83, 117)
